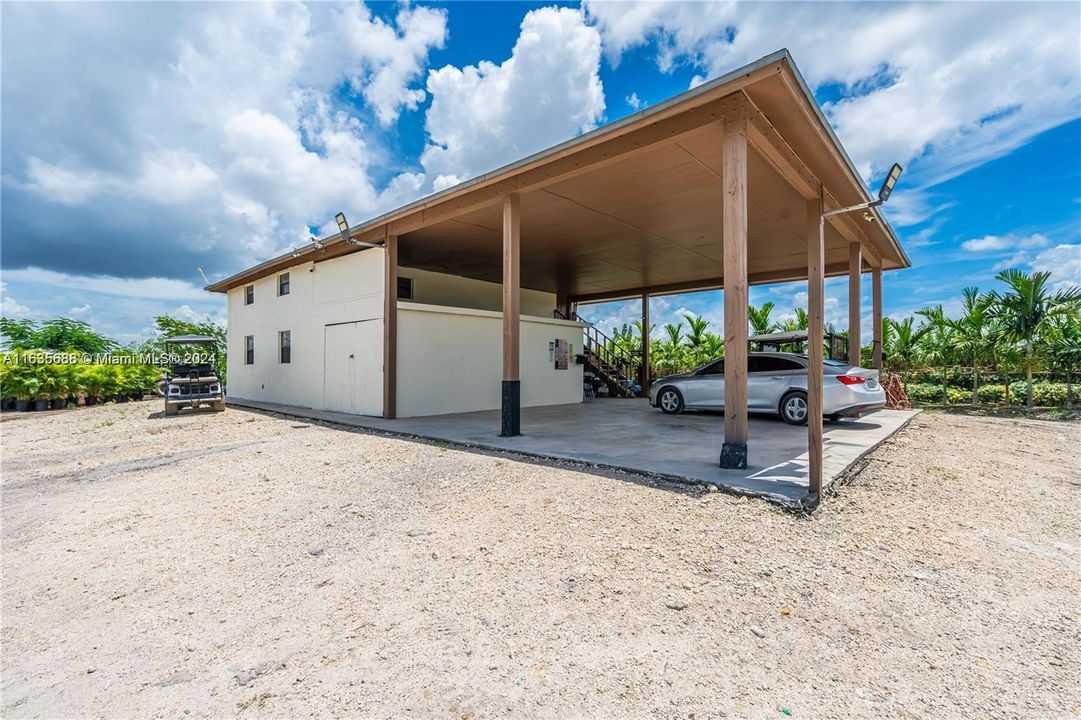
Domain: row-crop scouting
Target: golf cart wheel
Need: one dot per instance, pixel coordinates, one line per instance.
(794, 408)
(670, 401)
(219, 406)
(172, 409)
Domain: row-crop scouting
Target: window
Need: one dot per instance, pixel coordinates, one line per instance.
(249, 349)
(249, 294)
(284, 346)
(405, 288)
(283, 284)
(766, 363)
(716, 368)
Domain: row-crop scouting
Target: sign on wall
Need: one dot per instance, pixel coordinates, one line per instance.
(562, 353)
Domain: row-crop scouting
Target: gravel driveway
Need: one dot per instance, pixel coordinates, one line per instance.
(243, 564)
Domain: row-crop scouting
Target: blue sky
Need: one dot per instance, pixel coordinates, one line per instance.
(140, 141)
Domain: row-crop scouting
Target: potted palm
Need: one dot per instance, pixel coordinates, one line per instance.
(46, 388)
(92, 382)
(7, 398)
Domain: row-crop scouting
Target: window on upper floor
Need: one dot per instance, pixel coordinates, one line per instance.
(283, 284)
(249, 294)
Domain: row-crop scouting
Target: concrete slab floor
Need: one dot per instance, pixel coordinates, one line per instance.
(629, 435)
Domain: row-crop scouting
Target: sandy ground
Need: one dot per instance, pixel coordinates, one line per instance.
(242, 564)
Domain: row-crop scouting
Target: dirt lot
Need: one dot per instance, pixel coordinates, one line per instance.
(242, 564)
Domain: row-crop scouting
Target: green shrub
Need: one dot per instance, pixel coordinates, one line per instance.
(958, 396)
(924, 393)
(992, 394)
(1046, 394)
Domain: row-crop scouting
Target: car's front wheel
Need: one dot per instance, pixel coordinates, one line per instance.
(794, 408)
(670, 401)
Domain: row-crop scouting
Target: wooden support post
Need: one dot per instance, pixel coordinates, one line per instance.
(855, 261)
(512, 390)
(816, 290)
(734, 164)
(876, 314)
(390, 327)
(644, 381)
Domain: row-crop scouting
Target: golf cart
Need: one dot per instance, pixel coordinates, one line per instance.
(191, 379)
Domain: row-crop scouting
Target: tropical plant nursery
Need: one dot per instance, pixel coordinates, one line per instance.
(64, 363)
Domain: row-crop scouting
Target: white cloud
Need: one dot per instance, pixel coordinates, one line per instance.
(81, 311)
(187, 313)
(1064, 264)
(9, 308)
(634, 101)
(483, 116)
(389, 60)
(999, 243)
(222, 121)
(944, 86)
(154, 287)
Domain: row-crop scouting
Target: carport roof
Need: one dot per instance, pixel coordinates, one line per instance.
(635, 205)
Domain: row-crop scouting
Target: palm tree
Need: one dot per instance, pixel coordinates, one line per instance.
(939, 343)
(799, 322)
(1064, 347)
(901, 344)
(759, 319)
(974, 334)
(698, 329)
(675, 333)
(1027, 310)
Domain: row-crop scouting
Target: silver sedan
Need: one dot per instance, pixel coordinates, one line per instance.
(776, 383)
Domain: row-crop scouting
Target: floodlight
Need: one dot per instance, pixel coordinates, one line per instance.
(889, 182)
(342, 224)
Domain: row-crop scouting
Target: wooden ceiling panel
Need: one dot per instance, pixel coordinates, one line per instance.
(653, 218)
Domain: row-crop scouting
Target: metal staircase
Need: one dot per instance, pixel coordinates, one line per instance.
(616, 368)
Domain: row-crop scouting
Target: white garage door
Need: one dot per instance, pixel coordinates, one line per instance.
(353, 368)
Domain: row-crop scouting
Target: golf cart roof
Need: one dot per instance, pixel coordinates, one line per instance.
(192, 340)
(780, 337)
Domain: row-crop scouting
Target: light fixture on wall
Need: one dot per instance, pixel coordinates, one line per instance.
(343, 228)
(317, 243)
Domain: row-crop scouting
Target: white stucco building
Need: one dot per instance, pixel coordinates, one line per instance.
(312, 335)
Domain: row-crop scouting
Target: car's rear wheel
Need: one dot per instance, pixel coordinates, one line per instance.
(670, 401)
(794, 408)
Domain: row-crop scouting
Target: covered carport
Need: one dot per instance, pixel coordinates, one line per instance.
(723, 186)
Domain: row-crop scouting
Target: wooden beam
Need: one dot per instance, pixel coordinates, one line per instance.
(816, 291)
(777, 152)
(762, 278)
(390, 327)
(876, 315)
(644, 381)
(734, 163)
(855, 268)
(512, 390)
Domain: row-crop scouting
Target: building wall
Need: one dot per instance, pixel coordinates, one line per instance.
(449, 340)
(451, 360)
(345, 289)
(430, 288)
